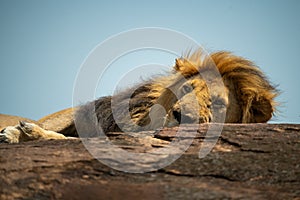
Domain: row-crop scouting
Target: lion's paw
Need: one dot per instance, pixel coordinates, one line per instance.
(10, 134)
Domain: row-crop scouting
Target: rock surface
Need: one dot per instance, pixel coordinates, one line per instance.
(253, 161)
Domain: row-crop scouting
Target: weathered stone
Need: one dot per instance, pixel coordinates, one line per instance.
(252, 161)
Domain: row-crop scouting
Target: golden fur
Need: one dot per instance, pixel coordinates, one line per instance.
(254, 92)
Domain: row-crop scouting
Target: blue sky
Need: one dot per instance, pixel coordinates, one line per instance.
(44, 43)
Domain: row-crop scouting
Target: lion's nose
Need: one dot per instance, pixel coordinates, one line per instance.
(177, 115)
(185, 119)
(181, 118)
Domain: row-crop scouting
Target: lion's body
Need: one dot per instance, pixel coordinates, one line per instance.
(236, 91)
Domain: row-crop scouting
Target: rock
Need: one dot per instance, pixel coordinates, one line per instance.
(249, 161)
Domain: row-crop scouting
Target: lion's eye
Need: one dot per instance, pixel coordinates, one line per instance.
(219, 103)
(187, 89)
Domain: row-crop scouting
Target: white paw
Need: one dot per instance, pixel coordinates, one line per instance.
(19, 133)
(10, 134)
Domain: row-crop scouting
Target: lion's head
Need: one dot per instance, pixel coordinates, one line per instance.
(216, 88)
(219, 88)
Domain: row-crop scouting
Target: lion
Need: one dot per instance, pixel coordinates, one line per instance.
(235, 91)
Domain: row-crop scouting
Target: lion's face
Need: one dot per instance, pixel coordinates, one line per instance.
(200, 103)
(202, 99)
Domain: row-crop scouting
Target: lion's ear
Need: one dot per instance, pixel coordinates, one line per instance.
(258, 108)
(262, 110)
(185, 67)
(179, 64)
